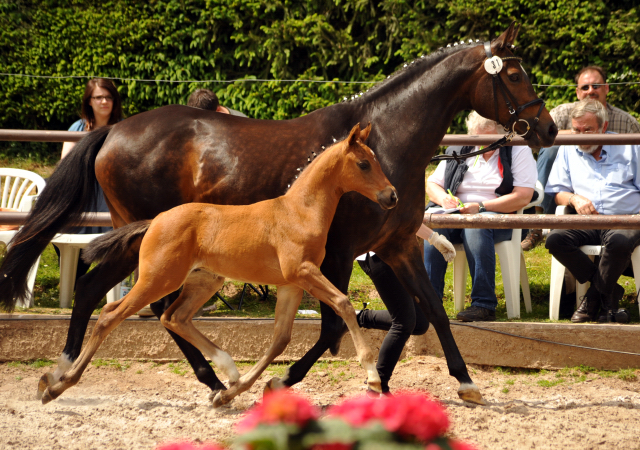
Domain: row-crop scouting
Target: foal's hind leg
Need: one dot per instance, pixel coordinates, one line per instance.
(201, 367)
(289, 297)
(198, 288)
(91, 288)
(112, 314)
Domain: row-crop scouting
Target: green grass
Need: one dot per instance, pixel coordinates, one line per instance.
(112, 363)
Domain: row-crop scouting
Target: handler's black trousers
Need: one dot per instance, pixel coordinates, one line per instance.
(616, 254)
(402, 318)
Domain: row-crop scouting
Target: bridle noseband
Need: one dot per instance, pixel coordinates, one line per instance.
(512, 105)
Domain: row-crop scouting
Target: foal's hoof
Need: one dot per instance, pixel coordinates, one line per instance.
(218, 401)
(471, 395)
(45, 381)
(374, 386)
(212, 394)
(47, 397)
(274, 384)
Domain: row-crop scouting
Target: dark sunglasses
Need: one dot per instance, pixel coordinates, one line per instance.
(594, 86)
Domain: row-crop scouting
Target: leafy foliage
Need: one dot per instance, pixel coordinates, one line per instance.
(350, 40)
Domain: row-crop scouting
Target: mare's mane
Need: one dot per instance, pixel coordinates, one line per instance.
(409, 70)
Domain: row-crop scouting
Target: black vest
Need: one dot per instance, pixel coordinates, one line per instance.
(454, 172)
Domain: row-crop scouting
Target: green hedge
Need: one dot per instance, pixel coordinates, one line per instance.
(355, 40)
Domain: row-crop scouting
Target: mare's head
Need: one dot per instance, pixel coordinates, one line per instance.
(508, 97)
(361, 171)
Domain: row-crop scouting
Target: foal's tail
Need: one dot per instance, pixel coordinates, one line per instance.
(70, 191)
(115, 243)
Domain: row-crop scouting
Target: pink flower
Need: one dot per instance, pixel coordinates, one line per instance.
(461, 445)
(279, 407)
(405, 414)
(187, 446)
(333, 446)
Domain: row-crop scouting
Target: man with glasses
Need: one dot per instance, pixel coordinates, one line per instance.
(596, 179)
(592, 83)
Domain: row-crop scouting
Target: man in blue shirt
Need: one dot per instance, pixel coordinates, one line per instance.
(595, 179)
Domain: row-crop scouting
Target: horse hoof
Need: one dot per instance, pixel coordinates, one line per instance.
(212, 395)
(374, 386)
(472, 395)
(274, 384)
(47, 397)
(45, 381)
(218, 401)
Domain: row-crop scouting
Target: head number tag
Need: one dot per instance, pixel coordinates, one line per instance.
(493, 65)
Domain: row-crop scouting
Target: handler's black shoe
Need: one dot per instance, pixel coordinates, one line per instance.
(476, 314)
(589, 308)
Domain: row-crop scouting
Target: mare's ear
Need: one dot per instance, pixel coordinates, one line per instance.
(506, 39)
(364, 134)
(354, 135)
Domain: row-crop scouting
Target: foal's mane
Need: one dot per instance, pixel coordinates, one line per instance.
(305, 170)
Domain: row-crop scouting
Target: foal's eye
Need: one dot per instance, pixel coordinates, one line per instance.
(514, 77)
(364, 165)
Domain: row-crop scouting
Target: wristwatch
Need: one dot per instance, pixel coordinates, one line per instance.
(482, 208)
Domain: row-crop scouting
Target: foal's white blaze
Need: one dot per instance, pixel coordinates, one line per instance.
(64, 363)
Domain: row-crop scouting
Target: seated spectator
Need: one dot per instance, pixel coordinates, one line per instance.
(500, 181)
(206, 99)
(596, 179)
(591, 83)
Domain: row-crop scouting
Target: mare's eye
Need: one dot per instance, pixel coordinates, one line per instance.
(364, 165)
(514, 77)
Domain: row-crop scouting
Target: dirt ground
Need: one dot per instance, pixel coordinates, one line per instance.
(136, 405)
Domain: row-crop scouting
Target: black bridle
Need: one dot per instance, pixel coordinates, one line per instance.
(514, 111)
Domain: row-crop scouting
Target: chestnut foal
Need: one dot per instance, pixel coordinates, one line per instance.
(278, 242)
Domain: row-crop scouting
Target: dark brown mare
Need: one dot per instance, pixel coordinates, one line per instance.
(156, 160)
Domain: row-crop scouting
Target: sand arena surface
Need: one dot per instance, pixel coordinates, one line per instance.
(127, 405)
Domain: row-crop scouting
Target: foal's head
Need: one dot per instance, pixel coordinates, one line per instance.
(361, 170)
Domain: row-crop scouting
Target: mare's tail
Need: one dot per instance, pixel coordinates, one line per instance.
(115, 243)
(70, 191)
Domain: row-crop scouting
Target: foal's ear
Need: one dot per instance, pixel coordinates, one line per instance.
(506, 39)
(364, 134)
(354, 135)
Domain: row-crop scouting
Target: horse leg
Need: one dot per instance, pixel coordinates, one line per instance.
(198, 288)
(201, 367)
(309, 277)
(409, 268)
(289, 298)
(111, 316)
(90, 290)
(337, 268)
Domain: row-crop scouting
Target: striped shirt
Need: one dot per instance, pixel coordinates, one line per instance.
(619, 121)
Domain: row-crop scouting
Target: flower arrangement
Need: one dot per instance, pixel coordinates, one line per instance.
(286, 421)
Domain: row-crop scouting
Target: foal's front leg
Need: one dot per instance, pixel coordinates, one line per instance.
(309, 277)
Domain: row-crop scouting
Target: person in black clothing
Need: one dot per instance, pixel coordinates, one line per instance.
(403, 317)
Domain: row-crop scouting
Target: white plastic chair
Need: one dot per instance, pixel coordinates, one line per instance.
(19, 189)
(558, 270)
(69, 246)
(514, 269)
